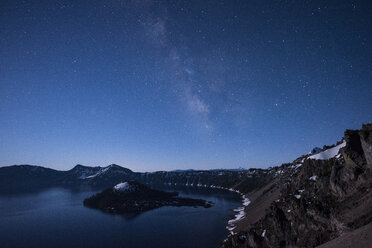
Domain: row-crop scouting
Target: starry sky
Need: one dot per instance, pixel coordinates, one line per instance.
(164, 85)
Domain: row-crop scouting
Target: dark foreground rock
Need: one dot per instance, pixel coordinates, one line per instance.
(323, 197)
(134, 197)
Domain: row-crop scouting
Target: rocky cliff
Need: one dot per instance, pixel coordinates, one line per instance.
(315, 199)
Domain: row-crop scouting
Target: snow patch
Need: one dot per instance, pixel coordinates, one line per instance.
(297, 196)
(105, 170)
(298, 166)
(125, 186)
(263, 233)
(279, 172)
(328, 154)
(313, 178)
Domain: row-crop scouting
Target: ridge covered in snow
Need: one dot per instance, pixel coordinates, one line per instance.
(328, 154)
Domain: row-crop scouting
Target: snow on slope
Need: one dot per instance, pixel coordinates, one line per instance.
(83, 175)
(328, 154)
(83, 172)
(100, 172)
(125, 186)
(240, 214)
(107, 169)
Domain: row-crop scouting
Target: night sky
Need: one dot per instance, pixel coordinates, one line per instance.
(163, 85)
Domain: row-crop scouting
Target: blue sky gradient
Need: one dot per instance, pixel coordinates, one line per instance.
(163, 85)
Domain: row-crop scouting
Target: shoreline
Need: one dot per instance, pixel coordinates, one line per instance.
(240, 211)
(240, 214)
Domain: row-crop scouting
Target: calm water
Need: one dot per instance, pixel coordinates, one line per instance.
(57, 218)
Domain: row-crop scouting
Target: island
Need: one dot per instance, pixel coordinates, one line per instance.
(134, 197)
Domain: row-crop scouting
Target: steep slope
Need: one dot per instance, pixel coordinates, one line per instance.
(322, 197)
(360, 237)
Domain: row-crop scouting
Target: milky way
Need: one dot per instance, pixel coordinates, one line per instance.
(162, 85)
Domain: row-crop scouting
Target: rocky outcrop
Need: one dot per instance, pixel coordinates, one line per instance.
(322, 200)
(366, 142)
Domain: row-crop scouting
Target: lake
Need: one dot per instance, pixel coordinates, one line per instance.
(57, 218)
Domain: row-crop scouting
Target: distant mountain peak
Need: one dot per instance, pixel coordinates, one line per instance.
(114, 166)
(315, 150)
(80, 166)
